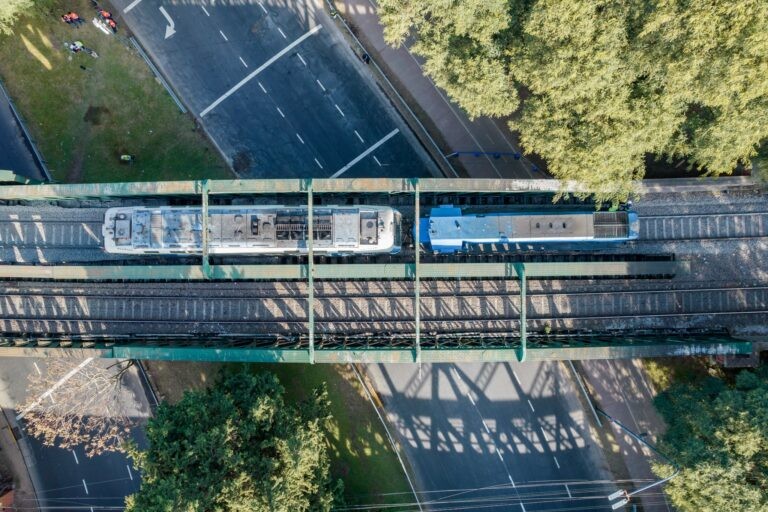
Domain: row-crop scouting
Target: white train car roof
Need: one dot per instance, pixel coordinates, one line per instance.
(250, 229)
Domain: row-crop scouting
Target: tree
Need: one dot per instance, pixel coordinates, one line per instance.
(718, 434)
(603, 83)
(9, 11)
(86, 411)
(236, 446)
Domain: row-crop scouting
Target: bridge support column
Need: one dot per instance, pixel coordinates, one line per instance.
(204, 189)
(521, 352)
(417, 271)
(310, 271)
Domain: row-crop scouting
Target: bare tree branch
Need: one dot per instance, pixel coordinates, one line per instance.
(86, 411)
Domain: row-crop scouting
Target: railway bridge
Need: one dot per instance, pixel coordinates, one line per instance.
(693, 283)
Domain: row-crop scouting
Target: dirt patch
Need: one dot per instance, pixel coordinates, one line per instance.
(171, 378)
(96, 115)
(75, 171)
(241, 162)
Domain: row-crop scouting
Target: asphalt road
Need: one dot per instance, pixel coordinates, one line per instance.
(277, 88)
(494, 436)
(67, 479)
(15, 153)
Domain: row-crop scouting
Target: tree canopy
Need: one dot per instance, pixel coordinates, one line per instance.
(594, 86)
(718, 434)
(236, 446)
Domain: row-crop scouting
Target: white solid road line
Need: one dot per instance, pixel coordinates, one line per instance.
(222, 35)
(205, 10)
(85, 486)
(365, 153)
(54, 387)
(131, 5)
(244, 64)
(359, 137)
(259, 70)
(282, 33)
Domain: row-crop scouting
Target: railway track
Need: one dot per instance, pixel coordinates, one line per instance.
(703, 226)
(479, 313)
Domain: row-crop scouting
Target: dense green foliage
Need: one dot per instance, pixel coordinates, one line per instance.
(236, 446)
(594, 85)
(718, 434)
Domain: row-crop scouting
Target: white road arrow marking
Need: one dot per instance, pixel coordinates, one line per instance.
(170, 29)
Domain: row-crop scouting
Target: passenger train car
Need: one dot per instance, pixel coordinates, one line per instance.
(446, 230)
(252, 230)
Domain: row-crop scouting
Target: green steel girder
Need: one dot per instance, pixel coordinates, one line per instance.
(400, 271)
(10, 177)
(417, 270)
(403, 355)
(311, 271)
(204, 234)
(521, 352)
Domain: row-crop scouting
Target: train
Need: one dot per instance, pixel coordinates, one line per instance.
(252, 230)
(345, 230)
(447, 230)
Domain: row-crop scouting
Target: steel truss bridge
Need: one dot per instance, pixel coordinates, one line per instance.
(412, 308)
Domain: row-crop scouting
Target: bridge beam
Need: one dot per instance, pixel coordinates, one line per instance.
(521, 352)
(417, 270)
(310, 271)
(204, 235)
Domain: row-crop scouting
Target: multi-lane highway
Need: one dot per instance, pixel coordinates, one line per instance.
(277, 88)
(68, 479)
(494, 436)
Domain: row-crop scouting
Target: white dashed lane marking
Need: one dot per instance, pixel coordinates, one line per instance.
(222, 35)
(258, 70)
(281, 112)
(85, 487)
(75, 456)
(320, 84)
(282, 33)
(300, 139)
(262, 88)
(556, 463)
(205, 11)
(531, 406)
(301, 59)
(377, 160)
(359, 137)
(318, 163)
(130, 473)
(339, 109)
(37, 368)
(262, 8)
(244, 64)
(366, 153)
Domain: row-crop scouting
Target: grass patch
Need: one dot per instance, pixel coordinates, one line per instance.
(360, 452)
(84, 119)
